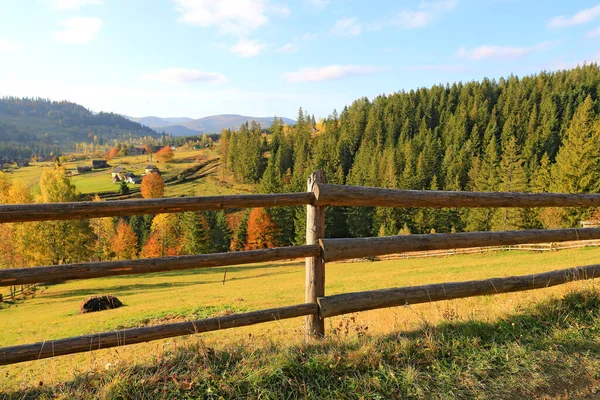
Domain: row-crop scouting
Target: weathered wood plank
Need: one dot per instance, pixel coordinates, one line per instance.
(343, 249)
(369, 300)
(315, 267)
(104, 340)
(342, 195)
(59, 273)
(93, 209)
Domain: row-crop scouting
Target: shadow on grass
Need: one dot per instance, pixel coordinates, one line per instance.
(129, 289)
(545, 351)
(136, 288)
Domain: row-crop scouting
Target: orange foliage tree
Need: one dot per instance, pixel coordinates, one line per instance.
(152, 186)
(165, 154)
(124, 243)
(112, 153)
(261, 232)
(157, 247)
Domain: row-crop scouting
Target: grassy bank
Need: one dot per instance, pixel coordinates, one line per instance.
(550, 350)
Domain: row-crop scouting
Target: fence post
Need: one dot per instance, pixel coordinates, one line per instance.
(315, 266)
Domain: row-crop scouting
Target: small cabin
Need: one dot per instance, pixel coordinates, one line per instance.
(97, 164)
(82, 169)
(117, 172)
(130, 177)
(151, 168)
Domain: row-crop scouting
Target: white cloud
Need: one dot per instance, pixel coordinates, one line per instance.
(347, 27)
(73, 4)
(238, 17)
(427, 13)
(578, 18)
(288, 48)
(330, 72)
(318, 4)
(8, 45)
(593, 33)
(181, 75)
(248, 48)
(78, 30)
(500, 52)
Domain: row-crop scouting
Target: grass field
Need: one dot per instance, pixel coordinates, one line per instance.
(219, 182)
(176, 296)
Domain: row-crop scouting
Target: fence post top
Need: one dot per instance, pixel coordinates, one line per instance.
(316, 177)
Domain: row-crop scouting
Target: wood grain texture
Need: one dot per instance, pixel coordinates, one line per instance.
(94, 209)
(369, 300)
(59, 273)
(343, 249)
(342, 195)
(315, 266)
(96, 341)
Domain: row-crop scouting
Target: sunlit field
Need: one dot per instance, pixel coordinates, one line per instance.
(176, 296)
(217, 180)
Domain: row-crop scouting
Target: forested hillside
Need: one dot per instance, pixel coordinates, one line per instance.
(538, 133)
(40, 127)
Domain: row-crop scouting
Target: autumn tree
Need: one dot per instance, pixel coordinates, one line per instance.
(124, 243)
(165, 154)
(262, 232)
(152, 186)
(104, 231)
(12, 246)
(166, 234)
(112, 153)
(57, 242)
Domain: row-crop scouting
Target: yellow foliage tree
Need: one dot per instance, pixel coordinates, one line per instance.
(152, 186)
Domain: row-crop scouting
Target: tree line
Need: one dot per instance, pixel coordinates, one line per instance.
(538, 133)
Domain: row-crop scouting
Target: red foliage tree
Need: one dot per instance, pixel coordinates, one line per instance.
(152, 186)
(165, 154)
(261, 232)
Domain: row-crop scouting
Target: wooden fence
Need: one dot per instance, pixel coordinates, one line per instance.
(317, 251)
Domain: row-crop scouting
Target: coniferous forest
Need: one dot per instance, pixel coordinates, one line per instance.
(538, 133)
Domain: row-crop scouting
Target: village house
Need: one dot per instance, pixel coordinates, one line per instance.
(152, 168)
(117, 172)
(82, 169)
(97, 164)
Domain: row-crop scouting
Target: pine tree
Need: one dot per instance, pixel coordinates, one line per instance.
(577, 167)
(512, 179)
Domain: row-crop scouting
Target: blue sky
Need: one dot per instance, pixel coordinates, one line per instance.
(195, 58)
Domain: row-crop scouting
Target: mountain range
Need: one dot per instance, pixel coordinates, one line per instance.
(213, 124)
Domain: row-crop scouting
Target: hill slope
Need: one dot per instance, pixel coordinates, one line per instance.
(41, 126)
(212, 124)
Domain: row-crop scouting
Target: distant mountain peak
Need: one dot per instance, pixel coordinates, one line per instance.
(183, 126)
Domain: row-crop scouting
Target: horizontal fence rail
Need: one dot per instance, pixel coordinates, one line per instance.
(330, 306)
(342, 195)
(97, 341)
(98, 209)
(59, 273)
(343, 249)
